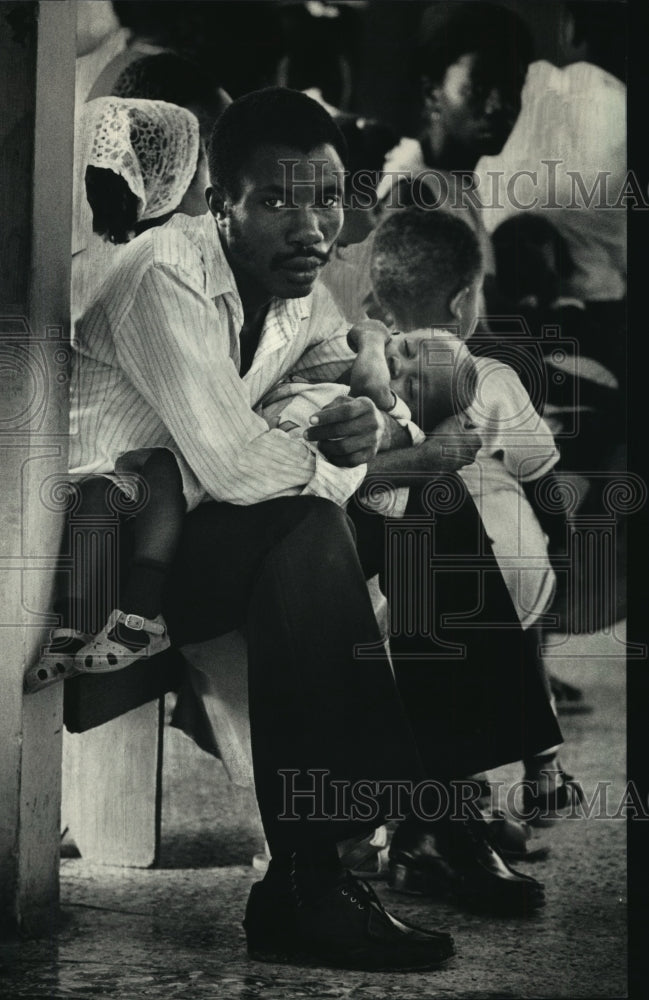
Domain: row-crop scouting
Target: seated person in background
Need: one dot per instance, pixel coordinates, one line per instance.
(534, 270)
(161, 77)
(132, 184)
(472, 64)
(573, 117)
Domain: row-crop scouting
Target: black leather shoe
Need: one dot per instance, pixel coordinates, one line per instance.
(512, 838)
(345, 927)
(455, 858)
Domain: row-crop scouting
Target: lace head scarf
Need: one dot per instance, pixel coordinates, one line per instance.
(154, 146)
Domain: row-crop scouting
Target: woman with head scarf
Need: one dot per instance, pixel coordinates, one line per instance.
(144, 161)
(140, 161)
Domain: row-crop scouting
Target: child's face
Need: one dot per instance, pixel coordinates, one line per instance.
(423, 369)
(403, 357)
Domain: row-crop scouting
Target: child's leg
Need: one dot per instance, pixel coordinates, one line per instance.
(79, 592)
(156, 533)
(550, 788)
(546, 759)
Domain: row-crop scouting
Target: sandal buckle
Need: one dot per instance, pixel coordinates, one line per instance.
(135, 622)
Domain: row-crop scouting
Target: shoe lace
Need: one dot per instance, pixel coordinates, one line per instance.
(358, 892)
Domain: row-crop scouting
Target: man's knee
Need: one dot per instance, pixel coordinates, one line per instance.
(320, 531)
(325, 520)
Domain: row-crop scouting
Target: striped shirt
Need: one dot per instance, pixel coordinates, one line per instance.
(157, 365)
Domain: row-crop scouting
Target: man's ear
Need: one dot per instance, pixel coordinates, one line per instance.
(216, 202)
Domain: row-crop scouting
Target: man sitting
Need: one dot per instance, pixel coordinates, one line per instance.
(200, 319)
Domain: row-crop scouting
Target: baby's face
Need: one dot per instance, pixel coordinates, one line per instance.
(405, 361)
(424, 366)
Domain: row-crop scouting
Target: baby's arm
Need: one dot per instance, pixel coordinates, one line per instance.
(370, 375)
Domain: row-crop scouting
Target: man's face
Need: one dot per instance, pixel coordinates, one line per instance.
(478, 103)
(281, 225)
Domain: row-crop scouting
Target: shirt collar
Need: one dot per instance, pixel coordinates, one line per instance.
(219, 279)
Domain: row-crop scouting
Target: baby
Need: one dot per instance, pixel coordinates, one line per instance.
(428, 376)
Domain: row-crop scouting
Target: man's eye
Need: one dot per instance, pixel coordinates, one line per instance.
(331, 201)
(274, 202)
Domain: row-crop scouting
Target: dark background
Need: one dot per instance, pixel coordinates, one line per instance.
(362, 59)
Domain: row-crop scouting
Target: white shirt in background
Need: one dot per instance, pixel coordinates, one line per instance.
(576, 115)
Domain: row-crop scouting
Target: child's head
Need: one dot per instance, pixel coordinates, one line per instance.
(533, 261)
(144, 161)
(427, 270)
(433, 372)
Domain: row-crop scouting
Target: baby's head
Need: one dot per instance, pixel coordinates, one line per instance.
(434, 373)
(427, 271)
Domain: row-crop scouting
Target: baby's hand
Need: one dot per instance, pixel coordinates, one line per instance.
(370, 376)
(368, 332)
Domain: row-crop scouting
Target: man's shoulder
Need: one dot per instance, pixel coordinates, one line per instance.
(176, 247)
(179, 245)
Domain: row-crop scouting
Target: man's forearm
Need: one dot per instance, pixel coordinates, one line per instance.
(444, 451)
(401, 464)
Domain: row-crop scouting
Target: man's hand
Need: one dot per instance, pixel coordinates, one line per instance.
(449, 448)
(349, 431)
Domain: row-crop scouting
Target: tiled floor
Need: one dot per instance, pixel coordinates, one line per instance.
(176, 931)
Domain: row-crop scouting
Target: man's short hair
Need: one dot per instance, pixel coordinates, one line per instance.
(274, 116)
(474, 27)
(421, 258)
(166, 76)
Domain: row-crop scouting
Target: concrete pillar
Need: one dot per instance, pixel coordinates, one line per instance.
(37, 64)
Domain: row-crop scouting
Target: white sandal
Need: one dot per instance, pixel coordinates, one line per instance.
(103, 655)
(54, 665)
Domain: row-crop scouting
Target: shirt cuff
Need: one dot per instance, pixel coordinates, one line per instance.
(401, 413)
(332, 482)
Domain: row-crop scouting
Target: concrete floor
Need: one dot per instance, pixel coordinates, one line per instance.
(176, 931)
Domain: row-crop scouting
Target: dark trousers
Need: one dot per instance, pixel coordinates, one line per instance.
(291, 572)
